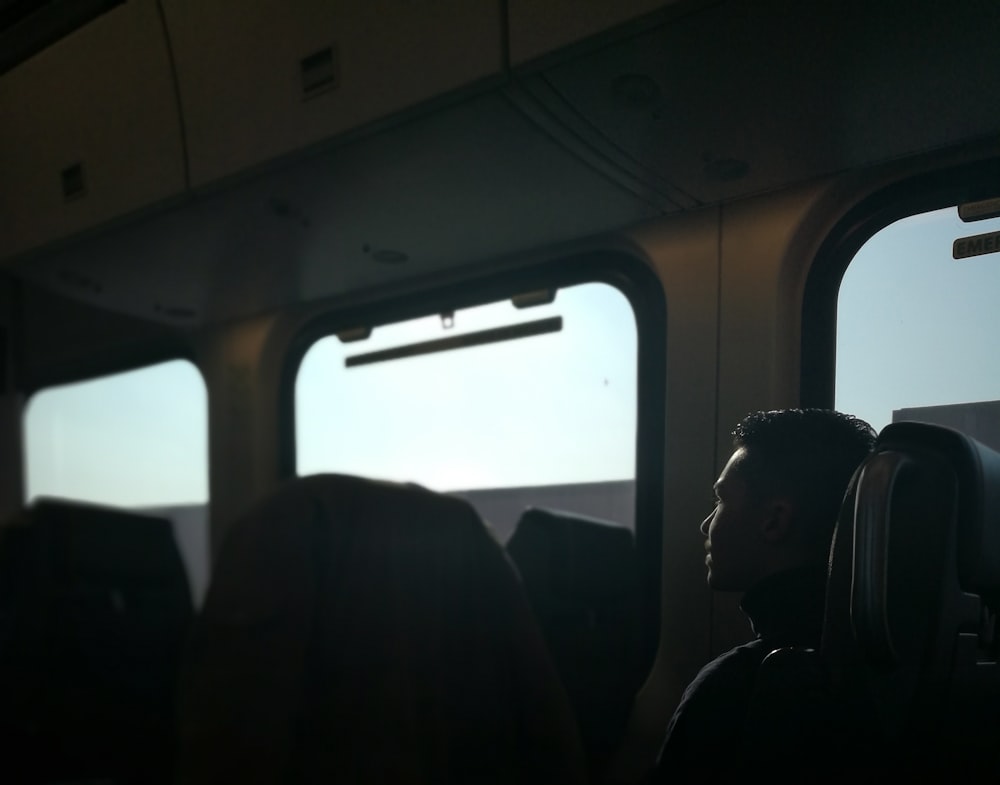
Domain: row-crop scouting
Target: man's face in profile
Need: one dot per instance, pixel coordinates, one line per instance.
(734, 543)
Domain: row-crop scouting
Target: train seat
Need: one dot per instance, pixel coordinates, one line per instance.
(907, 676)
(924, 595)
(581, 580)
(94, 609)
(365, 631)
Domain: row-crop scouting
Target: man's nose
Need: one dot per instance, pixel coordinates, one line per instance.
(705, 523)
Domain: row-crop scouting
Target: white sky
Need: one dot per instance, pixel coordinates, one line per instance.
(545, 410)
(915, 328)
(134, 439)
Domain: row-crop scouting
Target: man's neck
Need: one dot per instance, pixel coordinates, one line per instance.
(786, 607)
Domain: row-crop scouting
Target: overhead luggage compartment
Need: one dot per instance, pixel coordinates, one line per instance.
(260, 81)
(540, 27)
(90, 129)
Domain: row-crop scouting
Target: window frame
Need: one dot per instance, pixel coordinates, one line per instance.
(902, 199)
(105, 361)
(644, 291)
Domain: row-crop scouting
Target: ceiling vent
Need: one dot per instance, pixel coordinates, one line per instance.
(320, 72)
(74, 186)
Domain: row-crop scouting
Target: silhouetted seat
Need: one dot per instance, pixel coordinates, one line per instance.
(94, 608)
(365, 632)
(582, 581)
(907, 679)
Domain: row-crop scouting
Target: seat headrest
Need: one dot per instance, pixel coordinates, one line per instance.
(924, 546)
(976, 471)
(583, 557)
(90, 539)
(366, 631)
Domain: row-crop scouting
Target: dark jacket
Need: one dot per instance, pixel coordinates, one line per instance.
(704, 737)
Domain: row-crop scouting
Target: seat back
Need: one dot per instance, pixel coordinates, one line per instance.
(910, 637)
(581, 579)
(94, 609)
(359, 631)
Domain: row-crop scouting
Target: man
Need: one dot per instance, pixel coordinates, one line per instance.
(777, 502)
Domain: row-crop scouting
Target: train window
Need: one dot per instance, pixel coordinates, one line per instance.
(916, 328)
(137, 439)
(540, 411)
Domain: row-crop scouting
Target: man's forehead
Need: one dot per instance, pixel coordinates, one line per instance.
(731, 471)
(734, 464)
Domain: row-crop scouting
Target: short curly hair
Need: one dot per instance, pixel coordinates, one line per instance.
(808, 455)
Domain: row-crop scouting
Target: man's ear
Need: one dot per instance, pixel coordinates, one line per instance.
(779, 514)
